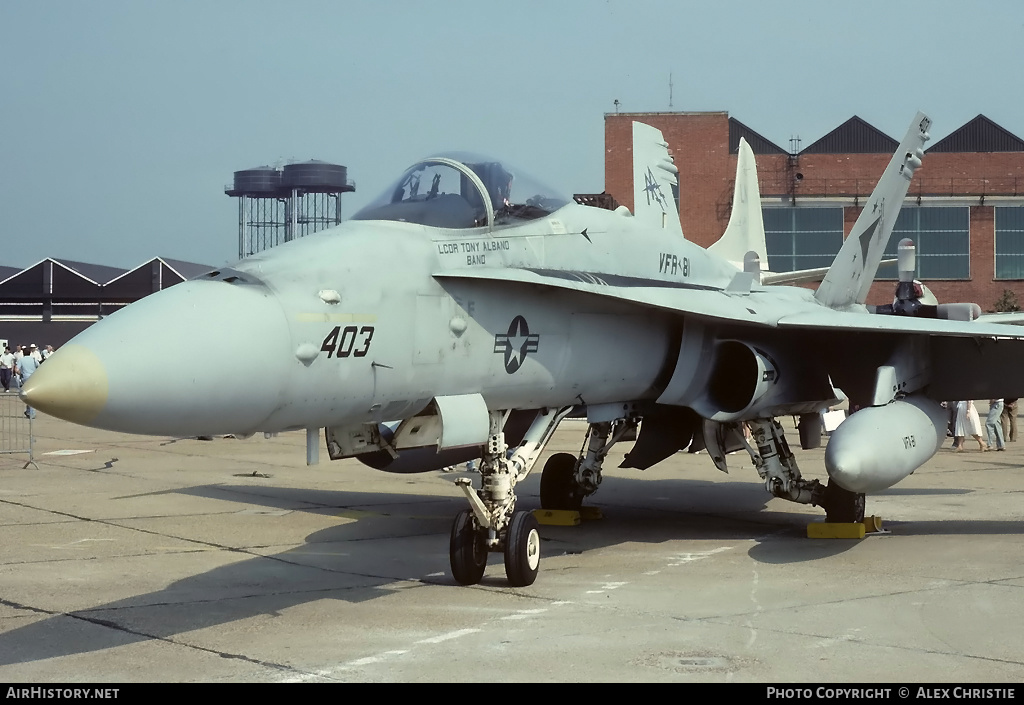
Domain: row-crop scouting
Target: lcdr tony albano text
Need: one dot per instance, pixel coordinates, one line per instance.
(959, 692)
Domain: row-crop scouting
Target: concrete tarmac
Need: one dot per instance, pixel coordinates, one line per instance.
(131, 558)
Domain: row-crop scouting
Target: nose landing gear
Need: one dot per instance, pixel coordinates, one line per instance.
(492, 522)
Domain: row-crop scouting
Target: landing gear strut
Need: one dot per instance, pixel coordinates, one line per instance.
(492, 524)
(777, 466)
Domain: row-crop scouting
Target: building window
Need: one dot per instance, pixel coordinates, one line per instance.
(1009, 242)
(802, 238)
(942, 236)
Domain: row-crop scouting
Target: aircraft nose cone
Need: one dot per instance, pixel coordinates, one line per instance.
(72, 385)
(199, 358)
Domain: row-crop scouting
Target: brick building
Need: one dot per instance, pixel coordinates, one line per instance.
(965, 208)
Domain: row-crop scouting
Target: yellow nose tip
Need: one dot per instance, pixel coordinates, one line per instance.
(72, 385)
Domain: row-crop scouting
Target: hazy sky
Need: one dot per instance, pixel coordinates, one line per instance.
(121, 122)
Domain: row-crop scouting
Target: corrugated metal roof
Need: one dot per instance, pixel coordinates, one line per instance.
(103, 274)
(189, 270)
(979, 135)
(758, 143)
(853, 137)
(8, 272)
(99, 273)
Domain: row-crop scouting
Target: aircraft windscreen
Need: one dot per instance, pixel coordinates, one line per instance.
(463, 191)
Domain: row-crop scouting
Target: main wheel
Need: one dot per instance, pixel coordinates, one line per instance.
(842, 506)
(467, 550)
(558, 483)
(522, 550)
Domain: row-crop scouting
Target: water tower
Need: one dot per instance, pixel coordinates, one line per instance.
(277, 205)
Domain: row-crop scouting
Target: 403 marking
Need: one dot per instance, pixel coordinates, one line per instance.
(350, 340)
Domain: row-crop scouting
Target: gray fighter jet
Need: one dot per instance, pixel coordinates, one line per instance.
(469, 309)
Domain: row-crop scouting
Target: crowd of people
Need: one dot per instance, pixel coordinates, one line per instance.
(17, 365)
(1000, 424)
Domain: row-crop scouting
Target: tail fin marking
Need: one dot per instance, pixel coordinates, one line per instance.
(851, 274)
(655, 180)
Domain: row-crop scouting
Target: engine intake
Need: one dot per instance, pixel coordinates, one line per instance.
(741, 375)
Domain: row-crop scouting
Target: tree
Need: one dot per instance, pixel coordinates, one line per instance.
(1007, 302)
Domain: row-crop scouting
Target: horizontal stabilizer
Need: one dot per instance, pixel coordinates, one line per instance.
(802, 276)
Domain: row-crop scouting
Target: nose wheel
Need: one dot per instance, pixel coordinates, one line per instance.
(492, 522)
(468, 549)
(522, 550)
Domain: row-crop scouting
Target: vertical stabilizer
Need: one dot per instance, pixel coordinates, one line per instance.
(655, 180)
(745, 231)
(850, 276)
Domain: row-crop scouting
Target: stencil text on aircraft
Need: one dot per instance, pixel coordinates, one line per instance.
(669, 263)
(475, 251)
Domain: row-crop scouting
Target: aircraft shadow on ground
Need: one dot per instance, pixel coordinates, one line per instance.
(389, 539)
(922, 491)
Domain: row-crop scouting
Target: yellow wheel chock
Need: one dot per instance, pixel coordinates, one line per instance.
(566, 517)
(826, 530)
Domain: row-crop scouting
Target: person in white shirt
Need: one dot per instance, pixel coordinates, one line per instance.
(34, 352)
(6, 368)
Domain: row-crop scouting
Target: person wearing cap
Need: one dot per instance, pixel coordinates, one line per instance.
(26, 366)
(34, 352)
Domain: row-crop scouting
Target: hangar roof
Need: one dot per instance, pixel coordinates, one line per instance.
(979, 135)
(53, 277)
(853, 137)
(758, 143)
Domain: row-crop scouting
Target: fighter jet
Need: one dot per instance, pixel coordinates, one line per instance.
(469, 309)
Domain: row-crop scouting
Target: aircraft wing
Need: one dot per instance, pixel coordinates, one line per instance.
(762, 308)
(877, 323)
(1010, 318)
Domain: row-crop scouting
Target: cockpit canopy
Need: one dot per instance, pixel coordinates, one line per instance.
(461, 190)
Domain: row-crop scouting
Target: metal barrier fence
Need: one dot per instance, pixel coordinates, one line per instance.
(16, 434)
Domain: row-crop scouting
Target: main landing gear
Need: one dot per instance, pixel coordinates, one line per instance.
(566, 479)
(777, 466)
(492, 523)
